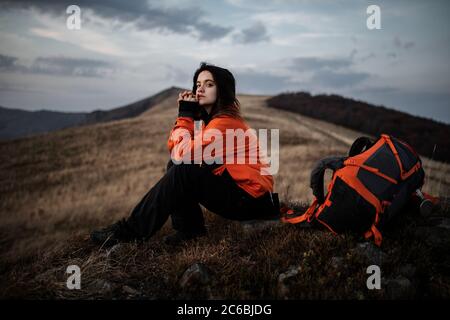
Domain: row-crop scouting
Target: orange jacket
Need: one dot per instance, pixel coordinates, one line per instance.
(247, 176)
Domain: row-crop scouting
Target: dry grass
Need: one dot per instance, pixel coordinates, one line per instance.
(57, 187)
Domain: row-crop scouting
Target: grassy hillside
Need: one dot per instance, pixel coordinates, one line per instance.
(57, 187)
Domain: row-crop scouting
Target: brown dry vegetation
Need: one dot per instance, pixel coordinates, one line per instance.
(57, 187)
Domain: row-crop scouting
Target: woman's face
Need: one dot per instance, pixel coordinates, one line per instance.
(206, 93)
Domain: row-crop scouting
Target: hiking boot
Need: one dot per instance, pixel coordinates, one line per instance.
(111, 235)
(179, 237)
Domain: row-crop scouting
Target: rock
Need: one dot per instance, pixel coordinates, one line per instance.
(258, 225)
(444, 223)
(408, 271)
(284, 279)
(440, 222)
(114, 250)
(435, 236)
(49, 274)
(373, 254)
(443, 205)
(130, 290)
(337, 262)
(399, 288)
(196, 274)
(211, 296)
(101, 286)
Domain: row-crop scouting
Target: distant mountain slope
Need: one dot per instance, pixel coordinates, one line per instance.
(15, 123)
(19, 123)
(423, 134)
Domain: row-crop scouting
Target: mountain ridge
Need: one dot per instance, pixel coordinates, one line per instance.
(429, 137)
(18, 123)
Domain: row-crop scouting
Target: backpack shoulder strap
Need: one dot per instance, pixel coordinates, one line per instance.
(361, 144)
(317, 174)
(289, 215)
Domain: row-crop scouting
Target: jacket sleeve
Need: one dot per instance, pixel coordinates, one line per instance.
(183, 130)
(188, 140)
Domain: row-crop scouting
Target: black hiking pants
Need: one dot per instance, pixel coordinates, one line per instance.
(179, 194)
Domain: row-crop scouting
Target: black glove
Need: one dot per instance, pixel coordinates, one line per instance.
(188, 109)
(193, 110)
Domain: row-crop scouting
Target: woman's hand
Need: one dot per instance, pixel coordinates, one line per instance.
(187, 109)
(187, 96)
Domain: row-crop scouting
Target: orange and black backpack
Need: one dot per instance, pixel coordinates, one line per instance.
(368, 188)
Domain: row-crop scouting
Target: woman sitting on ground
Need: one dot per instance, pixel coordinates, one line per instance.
(234, 191)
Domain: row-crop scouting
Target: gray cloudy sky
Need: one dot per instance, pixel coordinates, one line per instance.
(128, 50)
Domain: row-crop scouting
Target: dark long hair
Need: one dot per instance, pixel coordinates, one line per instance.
(226, 102)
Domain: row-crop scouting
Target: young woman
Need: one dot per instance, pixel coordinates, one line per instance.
(236, 191)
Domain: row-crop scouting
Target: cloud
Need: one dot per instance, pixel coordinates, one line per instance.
(368, 57)
(86, 38)
(409, 44)
(7, 62)
(208, 31)
(250, 81)
(253, 34)
(391, 55)
(317, 64)
(72, 67)
(61, 66)
(189, 20)
(404, 45)
(381, 90)
(329, 73)
(177, 75)
(333, 79)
